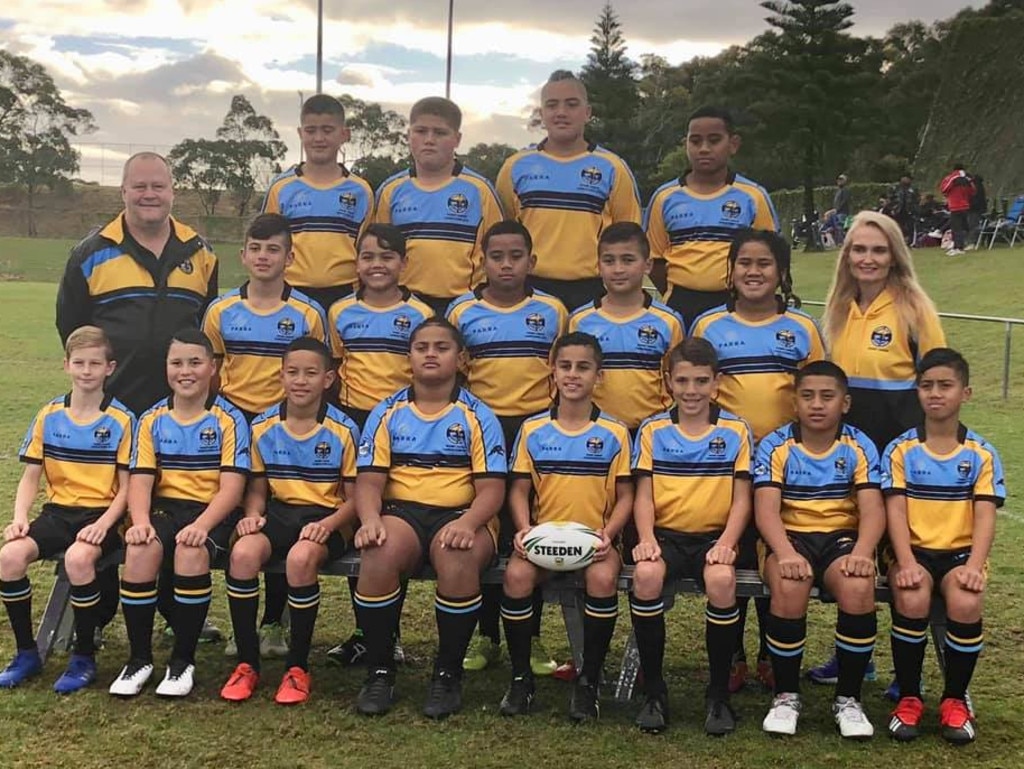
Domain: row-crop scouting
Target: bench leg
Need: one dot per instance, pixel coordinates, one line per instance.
(572, 613)
(628, 673)
(55, 628)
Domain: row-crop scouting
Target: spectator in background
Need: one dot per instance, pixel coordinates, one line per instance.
(835, 219)
(958, 187)
(902, 206)
(978, 210)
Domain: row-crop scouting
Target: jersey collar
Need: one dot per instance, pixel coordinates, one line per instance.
(961, 433)
(104, 404)
(713, 414)
(243, 291)
(456, 169)
(453, 397)
(729, 180)
(321, 413)
(406, 293)
(210, 400)
(543, 143)
(798, 433)
(648, 300)
(478, 292)
(595, 412)
(300, 170)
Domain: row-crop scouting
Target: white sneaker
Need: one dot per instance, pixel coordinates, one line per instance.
(851, 721)
(132, 679)
(784, 714)
(178, 681)
(954, 252)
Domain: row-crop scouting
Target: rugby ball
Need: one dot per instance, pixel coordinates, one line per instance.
(561, 545)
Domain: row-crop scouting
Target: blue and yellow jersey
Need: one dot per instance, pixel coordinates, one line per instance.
(818, 490)
(941, 489)
(693, 475)
(443, 226)
(80, 460)
(635, 348)
(758, 361)
(250, 343)
(325, 222)
(372, 347)
(433, 459)
(692, 232)
(305, 469)
(509, 349)
(187, 458)
(573, 472)
(876, 349)
(565, 203)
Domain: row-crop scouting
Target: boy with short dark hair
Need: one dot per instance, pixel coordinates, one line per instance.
(441, 206)
(820, 515)
(692, 467)
(298, 508)
(691, 220)
(635, 331)
(943, 484)
(80, 443)
(327, 206)
(188, 471)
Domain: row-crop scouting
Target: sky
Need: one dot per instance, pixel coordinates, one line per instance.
(154, 72)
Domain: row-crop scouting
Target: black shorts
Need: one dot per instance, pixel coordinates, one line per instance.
(938, 563)
(173, 515)
(684, 554)
(820, 548)
(746, 556)
(691, 303)
(357, 415)
(56, 527)
(427, 520)
(572, 293)
(327, 296)
(285, 523)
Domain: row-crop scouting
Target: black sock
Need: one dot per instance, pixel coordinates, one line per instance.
(517, 618)
(377, 616)
(109, 586)
(538, 609)
(490, 610)
(719, 637)
(275, 587)
(303, 603)
(138, 602)
(456, 621)
(244, 605)
(763, 608)
(786, 639)
(599, 616)
(739, 649)
(964, 641)
(192, 603)
(352, 583)
(909, 638)
(165, 596)
(17, 598)
(649, 629)
(855, 642)
(87, 604)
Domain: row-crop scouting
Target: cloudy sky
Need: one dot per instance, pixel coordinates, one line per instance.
(156, 71)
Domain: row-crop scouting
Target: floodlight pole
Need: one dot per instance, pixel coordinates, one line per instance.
(448, 63)
(319, 46)
(302, 100)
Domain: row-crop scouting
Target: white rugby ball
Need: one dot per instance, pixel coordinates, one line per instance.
(561, 545)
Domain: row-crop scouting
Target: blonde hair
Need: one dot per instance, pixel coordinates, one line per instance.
(88, 336)
(914, 306)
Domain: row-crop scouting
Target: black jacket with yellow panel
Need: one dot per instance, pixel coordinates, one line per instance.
(138, 299)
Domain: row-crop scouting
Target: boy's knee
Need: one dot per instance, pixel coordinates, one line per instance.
(14, 560)
(191, 561)
(648, 579)
(244, 562)
(720, 582)
(304, 559)
(520, 578)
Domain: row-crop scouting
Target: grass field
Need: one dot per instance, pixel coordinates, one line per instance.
(91, 729)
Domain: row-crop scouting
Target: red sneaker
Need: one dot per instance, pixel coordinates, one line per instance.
(241, 684)
(765, 674)
(906, 717)
(294, 688)
(738, 675)
(956, 722)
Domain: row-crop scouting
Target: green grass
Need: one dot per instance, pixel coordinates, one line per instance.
(91, 729)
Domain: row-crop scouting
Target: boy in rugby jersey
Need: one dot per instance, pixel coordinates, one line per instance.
(692, 469)
(943, 484)
(635, 331)
(80, 443)
(298, 508)
(189, 466)
(820, 515)
(327, 206)
(509, 328)
(575, 460)
(441, 206)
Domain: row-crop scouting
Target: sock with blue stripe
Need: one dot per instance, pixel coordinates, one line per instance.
(138, 602)
(964, 641)
(517, 619)
(86, 604)
(786, 639)
(303, 605)
(720, 639)
(909, 638)
(377, 616)
(599, 616)
(191, 605)
(855, 641)
(456, 621)
(649, 628)
(17, 597)
(244, 605)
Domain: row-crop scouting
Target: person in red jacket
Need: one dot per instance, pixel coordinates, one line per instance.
(958, 187)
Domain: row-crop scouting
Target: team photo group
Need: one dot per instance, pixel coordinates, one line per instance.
(448, 373)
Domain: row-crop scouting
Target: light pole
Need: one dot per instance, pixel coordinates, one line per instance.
(302, 100)
(319, 46)
(448, 63)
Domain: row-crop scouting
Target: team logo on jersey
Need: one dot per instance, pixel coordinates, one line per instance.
(647, 335)
(731, 209)
(101, 434)
(286, 327)
(402, 323)
(881, 336)
(322, 450)
(458, 204)
(760, 470)
(208, 436)
(187, 267)
(716, 446)
(535, 321)
(595, 445)
(364, 449)
(348, 200)
(592, 175)
(964, 469)
(786, 338)
(456, 434)
(840, 464)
